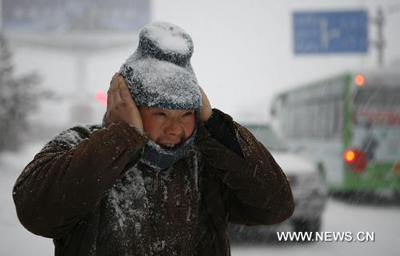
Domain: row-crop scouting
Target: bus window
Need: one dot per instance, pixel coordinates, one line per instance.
(378, 98)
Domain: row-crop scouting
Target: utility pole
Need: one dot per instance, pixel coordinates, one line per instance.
(1, 15)
(380, 43)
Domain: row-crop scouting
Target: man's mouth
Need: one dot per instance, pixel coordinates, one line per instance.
(170, 146)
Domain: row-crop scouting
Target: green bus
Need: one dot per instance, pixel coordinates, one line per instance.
(349, 125)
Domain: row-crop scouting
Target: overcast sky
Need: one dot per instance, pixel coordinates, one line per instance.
(243, 51)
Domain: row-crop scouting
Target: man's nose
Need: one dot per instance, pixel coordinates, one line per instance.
(174, 128)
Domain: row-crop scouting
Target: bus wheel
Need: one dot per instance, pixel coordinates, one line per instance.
(302, 225)
(396, 197)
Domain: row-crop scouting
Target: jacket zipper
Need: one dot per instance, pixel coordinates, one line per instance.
(157, 203)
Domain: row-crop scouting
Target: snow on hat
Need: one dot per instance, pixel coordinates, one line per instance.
(159, 73)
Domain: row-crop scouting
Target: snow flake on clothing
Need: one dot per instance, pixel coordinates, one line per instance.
(74, 135)
(152, 211)
(125, 198)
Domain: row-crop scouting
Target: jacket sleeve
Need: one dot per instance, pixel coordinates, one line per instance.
(65, 181)
(254, 187)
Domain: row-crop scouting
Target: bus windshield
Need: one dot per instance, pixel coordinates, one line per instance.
(376, 122)
(377, 106)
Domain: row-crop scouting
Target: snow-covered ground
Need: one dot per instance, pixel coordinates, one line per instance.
(339, 217)
(14, 239)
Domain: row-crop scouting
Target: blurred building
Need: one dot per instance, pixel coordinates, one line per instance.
(61, 41)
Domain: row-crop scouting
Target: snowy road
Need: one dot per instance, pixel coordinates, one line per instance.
(339, 217)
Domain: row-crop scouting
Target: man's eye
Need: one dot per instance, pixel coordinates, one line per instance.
(188, 113)
(159, 114)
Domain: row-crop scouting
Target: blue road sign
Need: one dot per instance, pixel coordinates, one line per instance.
(330, 32)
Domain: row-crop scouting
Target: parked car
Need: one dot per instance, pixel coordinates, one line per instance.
(307, 184)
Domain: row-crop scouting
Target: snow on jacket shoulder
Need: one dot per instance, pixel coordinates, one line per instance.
(66, 179)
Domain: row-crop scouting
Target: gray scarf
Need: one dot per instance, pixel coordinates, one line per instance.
(159, 158)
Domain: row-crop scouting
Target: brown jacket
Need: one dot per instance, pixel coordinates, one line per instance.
(88, 192)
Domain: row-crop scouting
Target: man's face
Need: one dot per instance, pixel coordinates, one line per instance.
(167, 127)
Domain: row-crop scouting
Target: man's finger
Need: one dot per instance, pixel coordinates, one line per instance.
(123, 90)
(114, 91)
(206, 110)
(114, 76)
(112, 84)
(110, 92)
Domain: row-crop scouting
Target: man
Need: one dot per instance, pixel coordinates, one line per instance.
(370, 143)
(163, 175)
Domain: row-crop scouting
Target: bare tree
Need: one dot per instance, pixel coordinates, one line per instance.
(19, 96)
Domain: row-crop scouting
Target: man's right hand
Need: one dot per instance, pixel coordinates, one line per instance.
(121, 107)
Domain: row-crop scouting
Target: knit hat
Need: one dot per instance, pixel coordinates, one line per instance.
(159, 73)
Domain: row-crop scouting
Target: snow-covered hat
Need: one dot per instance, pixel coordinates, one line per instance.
(159, 73)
